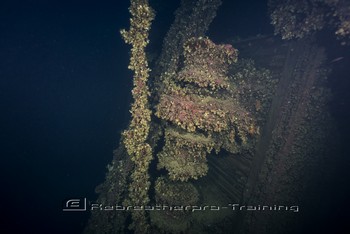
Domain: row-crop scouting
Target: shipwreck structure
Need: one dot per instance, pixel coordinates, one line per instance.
(226, 128)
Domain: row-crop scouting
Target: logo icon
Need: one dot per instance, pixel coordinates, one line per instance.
(76, 204)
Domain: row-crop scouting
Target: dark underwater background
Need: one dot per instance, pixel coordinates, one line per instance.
(65, 93)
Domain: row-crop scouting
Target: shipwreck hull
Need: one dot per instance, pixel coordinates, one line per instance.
(280, 169)
(292, 149)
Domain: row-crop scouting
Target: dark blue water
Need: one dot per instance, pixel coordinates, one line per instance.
(65, 95)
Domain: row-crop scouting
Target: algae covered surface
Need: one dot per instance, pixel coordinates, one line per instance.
(225, 136)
